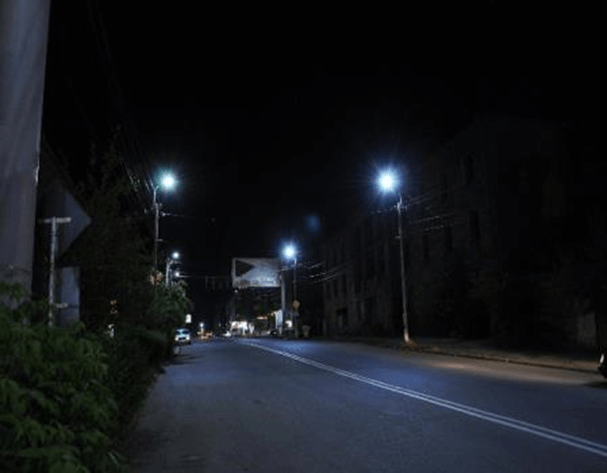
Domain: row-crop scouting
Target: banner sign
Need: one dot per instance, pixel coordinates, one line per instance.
(255, 272)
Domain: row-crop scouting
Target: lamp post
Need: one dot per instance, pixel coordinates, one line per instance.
(290, 252)
(388, 182)
(167, 182)
(173, 259)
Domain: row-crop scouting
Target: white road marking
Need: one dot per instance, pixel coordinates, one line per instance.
(550, 434)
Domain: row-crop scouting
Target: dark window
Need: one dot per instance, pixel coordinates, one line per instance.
(358, 277)
(370, 310)
(475, 230)
(469, 168)
(344, 288)
(335, 288)
(342, 319)
(381, 261)
(328, 290)
(370, 263)
(448, 239)
(368, 231)
(426, 247)
(443, 186)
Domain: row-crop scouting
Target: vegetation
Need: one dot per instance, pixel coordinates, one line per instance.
(56, 408)
(69, 394)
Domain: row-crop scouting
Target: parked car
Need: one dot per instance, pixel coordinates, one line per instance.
(183, 337)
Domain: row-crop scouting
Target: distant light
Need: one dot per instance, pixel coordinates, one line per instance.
(168, 181)
(289, 252)
(387, 181)
(176, 255)
(177, 274)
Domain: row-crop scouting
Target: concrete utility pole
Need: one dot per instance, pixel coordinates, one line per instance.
(23, 41)
(283, 301)
(403, 281)
(54, 222)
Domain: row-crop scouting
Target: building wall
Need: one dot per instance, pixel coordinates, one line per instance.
(359, 277)
(480, 205)
(482, 202)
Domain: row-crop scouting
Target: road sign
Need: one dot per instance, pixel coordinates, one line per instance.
(56, 201)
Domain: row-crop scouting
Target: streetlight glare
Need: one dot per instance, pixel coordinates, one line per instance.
(387, 181)
(176, 255)
(168, 181)
(289, 252)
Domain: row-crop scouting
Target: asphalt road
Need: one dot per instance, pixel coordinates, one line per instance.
(268, 405)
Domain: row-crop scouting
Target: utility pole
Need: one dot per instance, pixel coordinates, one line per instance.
(156, 224)
(283, 301)
(54, 222)
(23, 41)
(403, 282)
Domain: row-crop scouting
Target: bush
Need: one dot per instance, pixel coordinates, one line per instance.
(56, 410)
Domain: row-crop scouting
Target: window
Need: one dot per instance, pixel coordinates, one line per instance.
(443, 186)
(469, 168)
(475, 231)
(448, 239)
(368, 231)
(370, 310)
(426, 247)
(358, 277)
(370, 263)
(381, 261)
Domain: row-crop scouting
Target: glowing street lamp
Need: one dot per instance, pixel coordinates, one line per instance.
(169, 262)
(388, 182)
(167, 182)
(290, 253)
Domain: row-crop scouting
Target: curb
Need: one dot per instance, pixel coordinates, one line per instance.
(439, 351)
(442, 351)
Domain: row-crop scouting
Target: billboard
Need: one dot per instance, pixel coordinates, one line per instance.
(255, 272)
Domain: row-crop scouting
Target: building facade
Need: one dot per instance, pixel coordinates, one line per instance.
(482, 226)
(360, 286)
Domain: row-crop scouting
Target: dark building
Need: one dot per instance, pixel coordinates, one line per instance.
(489, 225)
(361, 282)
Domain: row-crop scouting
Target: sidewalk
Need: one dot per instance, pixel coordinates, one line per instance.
(482, 349)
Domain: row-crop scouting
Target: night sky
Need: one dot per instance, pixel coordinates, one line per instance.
(276, 120)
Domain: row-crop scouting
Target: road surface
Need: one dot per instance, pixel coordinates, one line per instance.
(270, 405)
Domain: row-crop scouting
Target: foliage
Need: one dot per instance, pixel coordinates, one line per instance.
(56, 411)
(111, 252)
(116, 288)
(69, 394)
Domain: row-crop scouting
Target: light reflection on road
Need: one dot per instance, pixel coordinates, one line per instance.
(514, 371)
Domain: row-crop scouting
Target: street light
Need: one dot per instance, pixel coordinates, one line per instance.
(170, 261)
(388, 182)
(166, 182)
(290, 252)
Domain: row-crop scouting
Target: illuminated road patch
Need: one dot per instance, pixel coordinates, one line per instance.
(539, 431)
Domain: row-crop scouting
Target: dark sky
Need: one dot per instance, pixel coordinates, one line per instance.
(276, 119)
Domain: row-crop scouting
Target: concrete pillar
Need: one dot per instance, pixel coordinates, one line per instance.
(23, 43)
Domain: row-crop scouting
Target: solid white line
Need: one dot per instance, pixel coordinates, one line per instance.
(560, 437)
